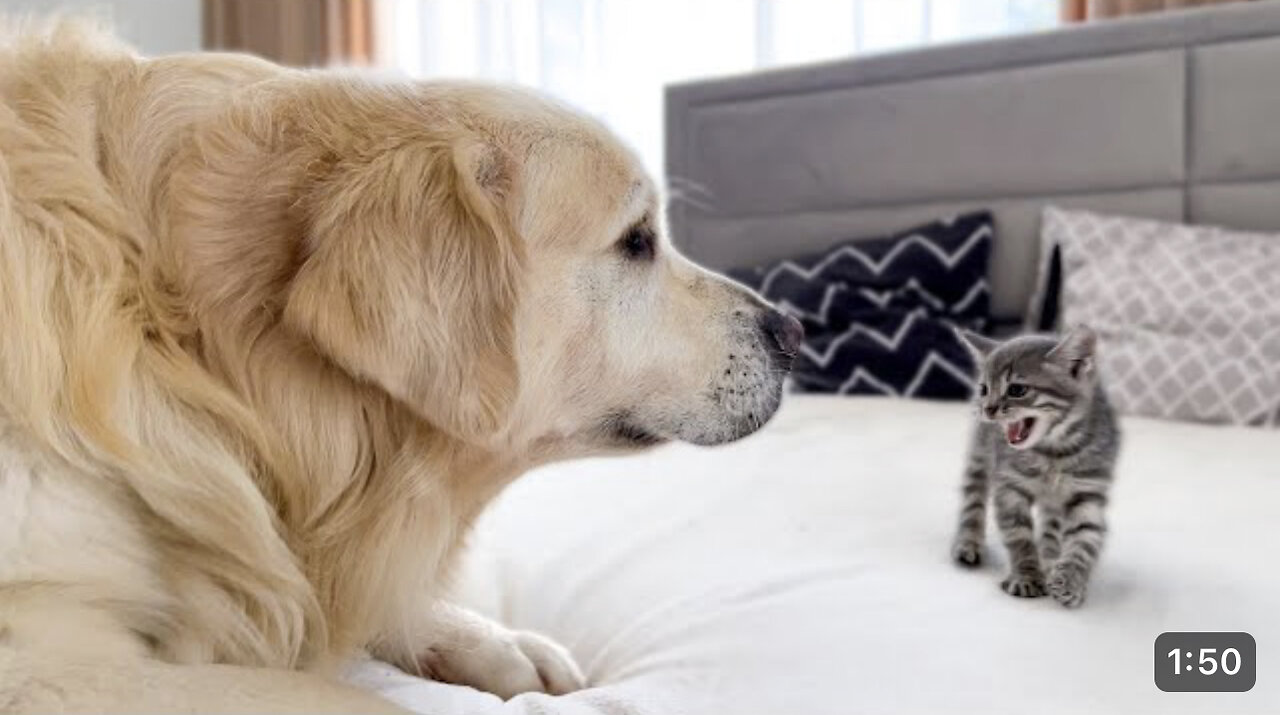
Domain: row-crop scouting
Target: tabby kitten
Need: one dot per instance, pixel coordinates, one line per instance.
(1046, 437)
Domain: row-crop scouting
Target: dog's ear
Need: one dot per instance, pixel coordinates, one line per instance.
(409, 279)
(395, 257)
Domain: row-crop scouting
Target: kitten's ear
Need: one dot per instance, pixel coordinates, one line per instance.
(980, 345)
(1076, 351)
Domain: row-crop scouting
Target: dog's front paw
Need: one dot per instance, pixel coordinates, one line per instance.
(1068, 584)
(558, 672)
(1023, 585)
(506, 664)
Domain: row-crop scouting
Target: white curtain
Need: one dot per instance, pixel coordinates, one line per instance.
(613, 57)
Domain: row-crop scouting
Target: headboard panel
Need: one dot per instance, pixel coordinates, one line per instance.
(1174, 117)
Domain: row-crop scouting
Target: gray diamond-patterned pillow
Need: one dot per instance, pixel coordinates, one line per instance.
(1188, 317)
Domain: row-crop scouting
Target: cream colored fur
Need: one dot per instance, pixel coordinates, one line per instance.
(269, 342)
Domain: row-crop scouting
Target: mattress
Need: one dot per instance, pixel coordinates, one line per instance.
(805, 570)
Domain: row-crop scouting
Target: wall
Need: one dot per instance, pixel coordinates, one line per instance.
(155, 27)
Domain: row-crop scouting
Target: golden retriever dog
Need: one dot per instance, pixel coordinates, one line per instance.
(271, 339)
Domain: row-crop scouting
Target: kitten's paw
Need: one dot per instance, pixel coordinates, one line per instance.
(1024, 585)
(967, 553)
(1067, 585)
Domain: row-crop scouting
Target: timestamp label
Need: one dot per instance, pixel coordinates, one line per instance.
(1206, 662)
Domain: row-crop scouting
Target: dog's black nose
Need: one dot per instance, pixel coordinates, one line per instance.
(783, 334)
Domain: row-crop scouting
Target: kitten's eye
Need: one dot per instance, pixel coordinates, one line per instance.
(982, 390)
(638, 244)
(1016, 389)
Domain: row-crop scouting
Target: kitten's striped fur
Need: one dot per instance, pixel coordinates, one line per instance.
(1047, 441)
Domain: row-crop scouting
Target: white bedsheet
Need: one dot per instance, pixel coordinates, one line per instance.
(805, 571)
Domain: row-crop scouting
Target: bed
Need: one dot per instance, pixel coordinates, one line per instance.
(806, 570)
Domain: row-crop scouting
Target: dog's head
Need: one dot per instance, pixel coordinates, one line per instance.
(495, 262)
(623, 341)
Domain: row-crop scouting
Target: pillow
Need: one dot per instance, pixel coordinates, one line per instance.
(1188, 317)
(880, 314)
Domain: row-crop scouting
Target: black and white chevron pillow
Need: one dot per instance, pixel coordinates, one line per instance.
(879, 314)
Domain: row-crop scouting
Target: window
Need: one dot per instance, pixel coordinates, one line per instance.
(613, 57)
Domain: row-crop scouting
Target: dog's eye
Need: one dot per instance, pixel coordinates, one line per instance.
(982, 390)
(638, 244)
(1016, 389)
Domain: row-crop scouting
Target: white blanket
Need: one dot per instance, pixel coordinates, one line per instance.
(805, 571)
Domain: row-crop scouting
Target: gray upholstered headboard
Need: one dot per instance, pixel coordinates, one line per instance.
(1174, 117)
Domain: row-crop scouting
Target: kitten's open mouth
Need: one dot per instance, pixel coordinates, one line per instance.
(1018, 432)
